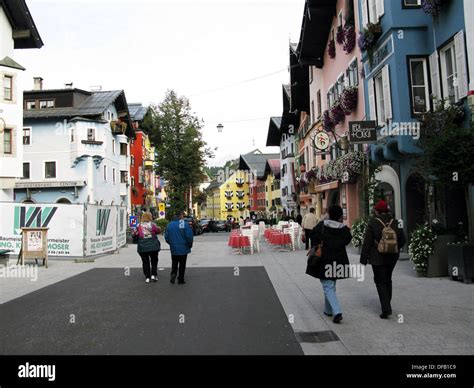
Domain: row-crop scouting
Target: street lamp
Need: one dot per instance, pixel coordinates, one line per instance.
(220, 127)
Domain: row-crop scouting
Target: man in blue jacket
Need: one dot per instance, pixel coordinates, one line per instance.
(179, 236)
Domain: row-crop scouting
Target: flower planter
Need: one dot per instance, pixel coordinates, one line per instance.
(461, 262)
(438, 261)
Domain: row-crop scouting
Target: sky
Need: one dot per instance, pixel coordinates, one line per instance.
(208, 51)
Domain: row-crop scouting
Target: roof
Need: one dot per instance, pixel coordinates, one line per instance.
(213, 185)
(137, 111)
(274, 135)
(273, 166)
(299, 79)
(8, 62)
(25, 33)
(317, 20)
(256, 162)
(94, 105)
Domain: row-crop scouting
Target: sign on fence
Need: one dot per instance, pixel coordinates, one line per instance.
(65, 223)
(101, 229)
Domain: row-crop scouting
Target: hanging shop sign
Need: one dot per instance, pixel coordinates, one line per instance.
(362, 132)
(321, 141)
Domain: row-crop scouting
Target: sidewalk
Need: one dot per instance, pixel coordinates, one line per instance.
(431, 316)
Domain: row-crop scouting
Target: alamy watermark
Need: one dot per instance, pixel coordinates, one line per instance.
(345, 271)
(395, 128)
(19, 271)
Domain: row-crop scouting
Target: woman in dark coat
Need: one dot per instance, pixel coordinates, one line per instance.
(383, 264)
(148, 246)
(334, 263)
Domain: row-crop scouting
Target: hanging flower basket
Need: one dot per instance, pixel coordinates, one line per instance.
(433, 7)
(332, 49)
(337, 113)
(349, 38)
(328, 124)
(349, 99)
(340, 35)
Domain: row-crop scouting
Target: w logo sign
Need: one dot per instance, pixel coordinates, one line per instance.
(103, 216)
(32, 217)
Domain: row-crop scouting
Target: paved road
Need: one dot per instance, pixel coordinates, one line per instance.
(227, 314)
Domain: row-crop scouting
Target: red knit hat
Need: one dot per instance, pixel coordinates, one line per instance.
(381, 207)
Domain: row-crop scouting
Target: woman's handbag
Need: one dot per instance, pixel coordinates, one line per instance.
(316, 253)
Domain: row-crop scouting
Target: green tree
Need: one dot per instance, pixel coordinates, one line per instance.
(175, 132)
(448, 151)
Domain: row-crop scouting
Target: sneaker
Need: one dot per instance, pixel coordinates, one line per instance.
(153, 278)
(147, 280)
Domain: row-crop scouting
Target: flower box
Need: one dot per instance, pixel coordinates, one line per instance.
(340, 35)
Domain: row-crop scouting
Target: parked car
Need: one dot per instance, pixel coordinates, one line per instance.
(204, 226)
(194, 224)
(222, 226)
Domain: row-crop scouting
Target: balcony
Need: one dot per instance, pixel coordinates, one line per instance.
(239, 182)
(118, 127)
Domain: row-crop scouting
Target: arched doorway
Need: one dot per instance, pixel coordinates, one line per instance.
(388, 175)
(63, 200)
(415, 199)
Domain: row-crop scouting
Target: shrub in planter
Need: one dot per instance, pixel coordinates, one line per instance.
(337, 113)
(358, 232)
(162, 223)
(332, 49)
(421, 247)
(349, 38)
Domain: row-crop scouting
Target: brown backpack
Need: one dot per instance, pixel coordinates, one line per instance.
(388, 242)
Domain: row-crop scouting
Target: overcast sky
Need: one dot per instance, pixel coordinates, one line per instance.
(202, 49)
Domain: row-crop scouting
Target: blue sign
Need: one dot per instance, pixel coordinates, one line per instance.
(133, 222)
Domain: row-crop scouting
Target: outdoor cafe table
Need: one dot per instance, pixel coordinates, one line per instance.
(238, 241)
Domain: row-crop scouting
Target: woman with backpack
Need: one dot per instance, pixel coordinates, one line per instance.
(148, 246)
(383, 240)
(334, 236)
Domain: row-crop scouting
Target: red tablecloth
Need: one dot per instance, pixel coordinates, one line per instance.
(280, 238)
(236, 241)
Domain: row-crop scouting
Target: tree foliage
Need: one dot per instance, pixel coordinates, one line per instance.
(175, 132)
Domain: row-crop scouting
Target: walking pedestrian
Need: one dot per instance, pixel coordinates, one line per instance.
(180, 238)
(148, 246)
(383, 240)
(308, 223)
(333, 265)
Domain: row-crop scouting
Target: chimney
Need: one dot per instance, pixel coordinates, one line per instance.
(38, 83)
(68, 86)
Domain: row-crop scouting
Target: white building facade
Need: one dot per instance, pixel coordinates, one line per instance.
(76, 147)
(17, 31)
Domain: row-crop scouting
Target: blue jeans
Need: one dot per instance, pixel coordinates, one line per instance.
(331, 304)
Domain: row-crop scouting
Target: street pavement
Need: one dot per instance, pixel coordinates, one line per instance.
(232, 304)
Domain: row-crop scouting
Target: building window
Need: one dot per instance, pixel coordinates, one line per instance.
(312, 112)
(26, 136)
(46, 104)
(91, 134)
(339, 19)
(352, 73)
(72, 134)
(132, 160)
(26, 170)
(105, 173)
(132, 180)
(412, 3)
(7, 141)
(419, 85)
(318, 102)
(380, 99)
(30, 105)
(123, 176)
(340, 85)
(8, 88)
(113, 146)
(372, 11)
(449, 73)
(113, 176)
(123, 149)
(49, 170)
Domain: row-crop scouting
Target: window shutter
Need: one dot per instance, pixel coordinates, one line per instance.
(371, 93)
(365, 15)
(380, 8)
(434, 74)
(387, 92)
(460, 49)
(372, 15)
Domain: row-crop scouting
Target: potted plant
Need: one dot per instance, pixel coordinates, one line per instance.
(349, 38)
(332, 49)
(358, 233)
(433, 7)
(421, 247)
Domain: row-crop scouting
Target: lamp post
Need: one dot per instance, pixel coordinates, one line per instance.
(220, 128)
